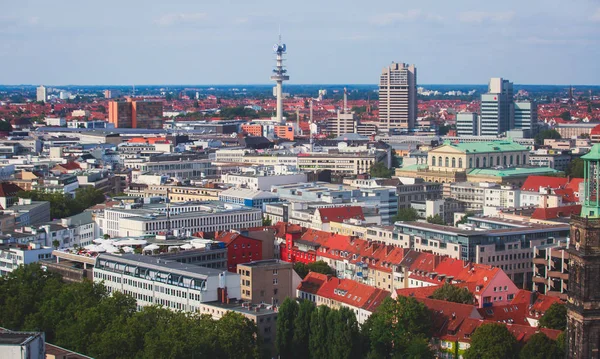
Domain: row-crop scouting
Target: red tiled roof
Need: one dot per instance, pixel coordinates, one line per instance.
(574, 184)
(533, 183)
(448, 316)
(417, 292)
(339, 214)
(595, 130)
(353, 293)
(556, 212)
(510, 313)
(312, 282)
(69, 166)
(8, 189)
(540, 304)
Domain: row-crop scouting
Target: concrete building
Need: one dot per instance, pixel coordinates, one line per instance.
(174, 285)
(348, 164)
(190, 218)
(28, 212)
(558, 160)
(341, 124)
(41, 94)
(14, 255)
(574, 130)
(526, 116)
(55, 121)
(22, 345)
(497, 112)
(135, 114)
(398, 97)
(551, 269)
(247, 197)
(502, 243)
(268, 281)
(467, 124)
(262, 180)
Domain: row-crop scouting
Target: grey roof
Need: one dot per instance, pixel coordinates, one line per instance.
(151, 262)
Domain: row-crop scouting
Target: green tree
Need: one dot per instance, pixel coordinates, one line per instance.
(437, 219)
(390, 330)
(55, 243)
(452, 293)
(346, 340)
(320, 267)
(300, 339)
(465, 218)
(546, 134)
(406, 215)
(492, 341)
(238, 336)
(576, 168)
(539, 346)
(285, 327)
(418, 348)
(106, 236)
(565, 115)
(555, 317)
(267, 221)
(301, 269)
(317, 342)
(5, 126)
(561, 344)
(379, 170)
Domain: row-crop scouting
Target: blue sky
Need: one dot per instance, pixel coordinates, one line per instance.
(329, 41)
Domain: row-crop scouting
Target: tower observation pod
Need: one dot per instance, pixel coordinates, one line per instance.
(279, 75)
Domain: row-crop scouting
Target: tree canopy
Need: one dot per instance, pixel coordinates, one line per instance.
(63, 205)
(492, 341)
(437, 219)
(539, 346)
(555, 317)
(390, 330)
(406, 215)
(575, 168)
(379, 170)
(452, 293)
(318, 266)
(546, 134)
(85, 318)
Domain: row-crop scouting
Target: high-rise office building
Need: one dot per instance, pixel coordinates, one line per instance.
(107, 94)
(135, 114)
(497, 114)
(525, 115)
(41, 95)
(467, 124)
(398, 97)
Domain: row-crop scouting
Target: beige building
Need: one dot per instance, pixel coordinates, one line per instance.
(352, 163)
(176, 193)
(398, 96)
(268, 281)
(570, 130)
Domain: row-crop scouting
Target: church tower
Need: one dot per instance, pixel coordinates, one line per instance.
(583, 305)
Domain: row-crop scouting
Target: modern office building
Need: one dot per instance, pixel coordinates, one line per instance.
(135, 114)
(341, 124)
(497, 112)
(398, 97)
(41, 94)
(525, 116)
(467, 124)
(174, 285)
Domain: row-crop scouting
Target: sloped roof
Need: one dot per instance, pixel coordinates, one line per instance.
(312, 282)
(510, 313)
(556, 212)
(353, 293)
(8, 189)
(339, 214)
(533, 183)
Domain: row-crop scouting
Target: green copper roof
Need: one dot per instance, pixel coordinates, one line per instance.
(487, 147)
(594, 153)
(508, 172)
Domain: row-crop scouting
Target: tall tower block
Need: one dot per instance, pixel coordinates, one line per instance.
(583, 303)
(279, 75)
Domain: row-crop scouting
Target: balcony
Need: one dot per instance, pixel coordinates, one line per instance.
(540, 280)
(558, 275)
(542, 261)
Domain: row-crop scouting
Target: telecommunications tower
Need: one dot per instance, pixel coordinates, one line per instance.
(279, 76)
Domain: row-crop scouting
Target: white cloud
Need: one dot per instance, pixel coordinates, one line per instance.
(170, 19)
(483, 16)
(596, 15)
(392, 17)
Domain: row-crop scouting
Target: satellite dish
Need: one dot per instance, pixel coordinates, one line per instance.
(275, 47)
(283, 47)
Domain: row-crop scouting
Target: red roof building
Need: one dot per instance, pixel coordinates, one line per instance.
(534, 183)
(240, 249)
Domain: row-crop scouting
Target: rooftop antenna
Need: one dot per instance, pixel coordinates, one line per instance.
(310, 124)
(345, 100)
(279, 76)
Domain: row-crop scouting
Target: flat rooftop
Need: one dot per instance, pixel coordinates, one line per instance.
(265, 263)
(16, 338)
(150, 262)
(236, 306)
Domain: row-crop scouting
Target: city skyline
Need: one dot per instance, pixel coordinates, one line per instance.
(184, 43)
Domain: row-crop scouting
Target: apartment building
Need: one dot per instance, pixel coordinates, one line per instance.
(153, 281)
(551, 269)
(268, 281)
